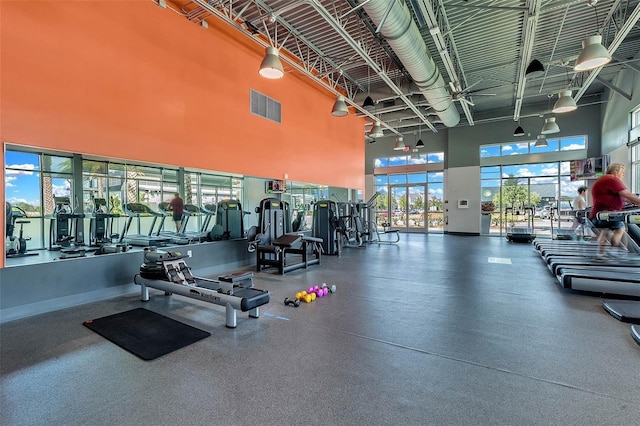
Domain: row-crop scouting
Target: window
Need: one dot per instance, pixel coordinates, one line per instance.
(572, 144)
(403, 160)
(520, 148)
(635, 118)
(22, 181)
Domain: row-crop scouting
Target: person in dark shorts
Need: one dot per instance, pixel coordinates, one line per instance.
(176, 205)
(609, 194)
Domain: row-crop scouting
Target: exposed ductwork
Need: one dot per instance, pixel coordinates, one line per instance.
(405, 39)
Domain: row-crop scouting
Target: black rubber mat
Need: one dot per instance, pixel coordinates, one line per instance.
(145, 333)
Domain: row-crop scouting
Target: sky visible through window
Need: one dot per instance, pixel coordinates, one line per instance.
(22, 178)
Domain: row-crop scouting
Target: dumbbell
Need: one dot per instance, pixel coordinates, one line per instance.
(306, 297)
(326, 289)
(294, 303)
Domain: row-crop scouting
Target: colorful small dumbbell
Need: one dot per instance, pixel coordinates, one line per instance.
(331, 289)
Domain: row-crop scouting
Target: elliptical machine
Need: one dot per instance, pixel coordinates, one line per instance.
(63, 231)
(15, 246)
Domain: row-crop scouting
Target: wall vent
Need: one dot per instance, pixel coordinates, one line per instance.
(266, 107)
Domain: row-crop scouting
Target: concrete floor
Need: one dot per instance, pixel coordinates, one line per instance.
(438, 329)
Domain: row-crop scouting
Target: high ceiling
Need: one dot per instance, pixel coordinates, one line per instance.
(432, 64)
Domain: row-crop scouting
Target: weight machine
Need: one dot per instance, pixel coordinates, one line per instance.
(273, 242)
(229, 221)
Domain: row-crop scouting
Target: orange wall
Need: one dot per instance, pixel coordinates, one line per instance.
(132, 80)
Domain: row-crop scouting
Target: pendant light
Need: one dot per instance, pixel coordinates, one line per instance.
(565, 103)
(535, 69)
(550, 126)
(593, 54)
(376, 131)
(399, 145)
(519, 131)
(541, 142)
(368, 103)
(271, 67)
(420, 144)
(340, 107)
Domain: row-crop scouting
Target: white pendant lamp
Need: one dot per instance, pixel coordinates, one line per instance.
(565, 103)
(271, 67)
(399, 145)
(541, 142)
(340, 107)
(593, 54)
(550, 126)
(376, 131)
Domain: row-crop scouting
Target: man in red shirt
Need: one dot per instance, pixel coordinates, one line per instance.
(176, 205)
(609, 194)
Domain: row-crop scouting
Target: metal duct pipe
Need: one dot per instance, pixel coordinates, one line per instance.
(405, 39)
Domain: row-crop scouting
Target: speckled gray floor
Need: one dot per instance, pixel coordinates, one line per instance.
(438, 329)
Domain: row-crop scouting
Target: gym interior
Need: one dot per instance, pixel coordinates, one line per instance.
(446, 324)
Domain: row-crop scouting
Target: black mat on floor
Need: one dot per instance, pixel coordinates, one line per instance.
(145, 333)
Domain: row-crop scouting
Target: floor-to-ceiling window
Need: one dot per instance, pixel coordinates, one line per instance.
(534, 195)
(410, 201)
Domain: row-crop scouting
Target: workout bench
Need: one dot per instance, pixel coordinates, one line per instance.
(275, 254)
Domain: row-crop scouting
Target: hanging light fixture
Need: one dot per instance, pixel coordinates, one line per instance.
(565, 103)
(271, 67)
(340, 107)
(399, 145)
(550, 126)
(376, 131)
(593, 54)
(368, 104)
(519, 131)
(420, 144)
(541, 142)
(535, 69)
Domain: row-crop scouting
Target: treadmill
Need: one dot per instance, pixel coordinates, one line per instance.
(173, 236)
(581, 272)
(138, 211)
(191, 210)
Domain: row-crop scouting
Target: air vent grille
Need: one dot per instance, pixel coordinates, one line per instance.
(266, 107)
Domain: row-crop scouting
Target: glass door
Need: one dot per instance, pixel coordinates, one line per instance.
(435, 207)
(409, 206)
(398, 208)
(416, 208)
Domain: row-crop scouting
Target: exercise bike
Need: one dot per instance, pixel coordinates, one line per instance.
(16, 246)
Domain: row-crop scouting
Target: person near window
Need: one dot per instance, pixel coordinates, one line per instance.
(176, 205)
(579, 204)
(609, 194)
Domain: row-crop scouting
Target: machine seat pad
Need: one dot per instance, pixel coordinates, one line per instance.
(251, 297)
(236, 276)
(287, 240)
